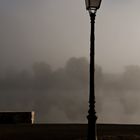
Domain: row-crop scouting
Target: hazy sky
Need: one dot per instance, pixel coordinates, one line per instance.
(53, 31)
(118, 34)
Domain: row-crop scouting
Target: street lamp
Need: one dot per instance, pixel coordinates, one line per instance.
(92, 6)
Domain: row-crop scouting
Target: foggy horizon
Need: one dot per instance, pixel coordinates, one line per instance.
(64, 92)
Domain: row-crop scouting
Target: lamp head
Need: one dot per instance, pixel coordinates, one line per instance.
(93, 4)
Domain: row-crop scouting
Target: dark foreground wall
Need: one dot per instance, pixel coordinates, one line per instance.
(118, 132)
(43, 132)
(67, 132)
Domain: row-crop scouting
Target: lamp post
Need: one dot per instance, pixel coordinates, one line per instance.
(92, 6)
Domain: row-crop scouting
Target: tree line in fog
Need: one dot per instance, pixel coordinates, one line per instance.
(64, 92)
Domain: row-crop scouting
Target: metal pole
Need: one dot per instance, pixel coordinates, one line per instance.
(92, 114)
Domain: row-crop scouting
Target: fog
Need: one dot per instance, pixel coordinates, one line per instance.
(54, 31)
(44, 58)
(118, 95)
(61, 95)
